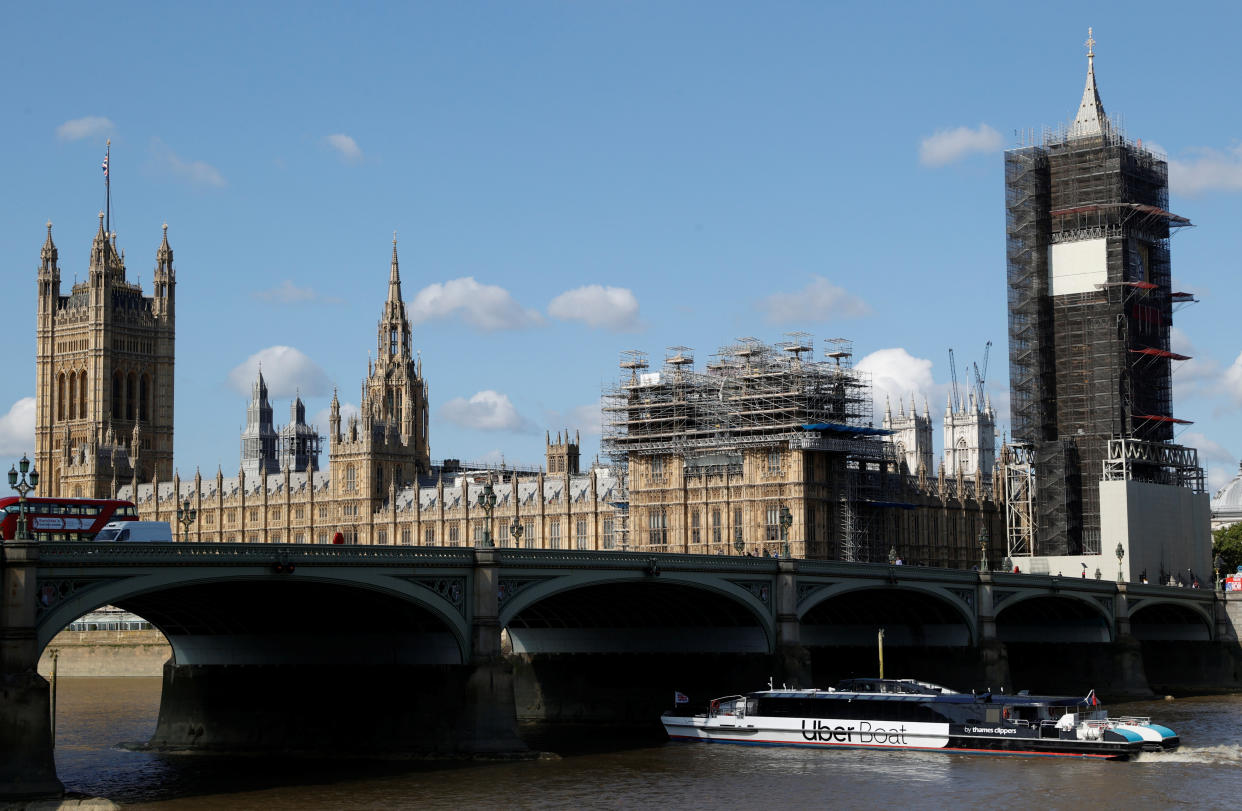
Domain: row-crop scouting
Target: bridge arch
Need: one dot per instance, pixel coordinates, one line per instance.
(712, 614)
(911, 613)
(1155, 618)
(232, 619)
(1062, 616)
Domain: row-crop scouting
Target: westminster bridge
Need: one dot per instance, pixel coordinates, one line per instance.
(292, 647)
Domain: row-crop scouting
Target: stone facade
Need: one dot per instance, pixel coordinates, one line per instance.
(104, 373)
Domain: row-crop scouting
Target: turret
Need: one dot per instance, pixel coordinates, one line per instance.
(165, 278)
(49, 275)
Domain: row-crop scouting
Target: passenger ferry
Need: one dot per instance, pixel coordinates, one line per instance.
(909, 714)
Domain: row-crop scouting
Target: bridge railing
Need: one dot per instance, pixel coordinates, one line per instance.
(250, 553)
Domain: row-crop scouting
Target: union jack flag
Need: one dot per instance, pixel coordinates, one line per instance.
(105, 165)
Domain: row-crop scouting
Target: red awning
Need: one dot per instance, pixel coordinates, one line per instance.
(1160, 353)
(1161, 418)
(1141, 285)
(1151, 211)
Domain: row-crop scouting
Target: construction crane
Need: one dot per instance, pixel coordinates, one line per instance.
(955, 400)
(981, 377)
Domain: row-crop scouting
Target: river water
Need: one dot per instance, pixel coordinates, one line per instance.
(603, 770)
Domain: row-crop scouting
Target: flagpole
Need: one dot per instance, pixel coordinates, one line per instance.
(108, 188)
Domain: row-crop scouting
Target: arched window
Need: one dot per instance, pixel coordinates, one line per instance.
(351, 479)
(82, 394)
(131, 385)
(116, 395)
(144, 399)
(60, 396)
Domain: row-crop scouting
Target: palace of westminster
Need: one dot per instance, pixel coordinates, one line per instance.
(767, 452)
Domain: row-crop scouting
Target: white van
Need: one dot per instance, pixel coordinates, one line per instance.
(136, 531)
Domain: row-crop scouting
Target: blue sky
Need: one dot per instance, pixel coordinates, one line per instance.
(569, 180)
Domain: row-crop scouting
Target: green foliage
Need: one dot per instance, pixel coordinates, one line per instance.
(1227, 543)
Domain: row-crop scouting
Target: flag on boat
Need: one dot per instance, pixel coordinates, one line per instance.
(680, 697)
(1091, 699)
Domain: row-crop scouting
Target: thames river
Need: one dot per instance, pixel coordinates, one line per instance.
(610, 770)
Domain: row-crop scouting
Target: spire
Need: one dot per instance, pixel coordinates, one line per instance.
(1091, 119)
(394, 274)
(164, 255)
(49, 254)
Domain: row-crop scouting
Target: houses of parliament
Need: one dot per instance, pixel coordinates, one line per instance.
(800, 485)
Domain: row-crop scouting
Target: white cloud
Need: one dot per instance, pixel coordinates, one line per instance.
(586, 419)
(196, 173)
(613, 308)
(79, 128)
(286, 371)
(1209, 450)
(951, 146)
(289, 293)
(896, 375)
(17, 429)
(486, 411)
(1207, 170)
(346, 146)
(1232, 380)
(484, 306)
(819, 301)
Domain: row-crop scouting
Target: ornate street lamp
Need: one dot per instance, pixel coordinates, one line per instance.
(488, 502)
(786, 520)
(1008, 564)
(983, 549)
(1120, 552)
(23, 485)
(1098, 573)
(1218, 564)
(515, 529)
(739, 545)
(186, 515)
(892, 556)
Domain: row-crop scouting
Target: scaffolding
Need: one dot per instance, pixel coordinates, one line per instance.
(751, 394)
(1091, 362)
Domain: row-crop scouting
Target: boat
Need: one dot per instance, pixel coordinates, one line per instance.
(909, 714)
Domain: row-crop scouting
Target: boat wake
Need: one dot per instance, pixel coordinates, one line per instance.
(1225, 755)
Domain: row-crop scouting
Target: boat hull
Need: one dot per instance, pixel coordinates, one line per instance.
(927, 737)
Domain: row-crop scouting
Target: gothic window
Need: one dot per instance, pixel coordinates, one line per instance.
(774, 461)
(116, 395)
(695, 531)
(381, 536)
(657, 527)
(131, 385)
(716, 527)
(528, 533)
(392, 342)
(82, 395)
(772, 529)
(453, 531)
(657, 466)
(351, 479)
(580, 530)
(73, 396)
(144, 399)
(610, 541)
(554, 534)
(405, 536)
(429, 536)
(60, 397)
(322, 537)
(737, 525)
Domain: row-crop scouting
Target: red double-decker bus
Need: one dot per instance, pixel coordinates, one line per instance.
(63, 519)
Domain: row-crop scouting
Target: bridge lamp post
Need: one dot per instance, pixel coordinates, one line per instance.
(1218, 564)
(515, 529)
(1120, 551)
(28, 481)
(983, 549)
(892, 556)
(488, 502)
(186, 515)
(786, 519)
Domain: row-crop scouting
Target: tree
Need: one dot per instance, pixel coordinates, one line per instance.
(1227, 542)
